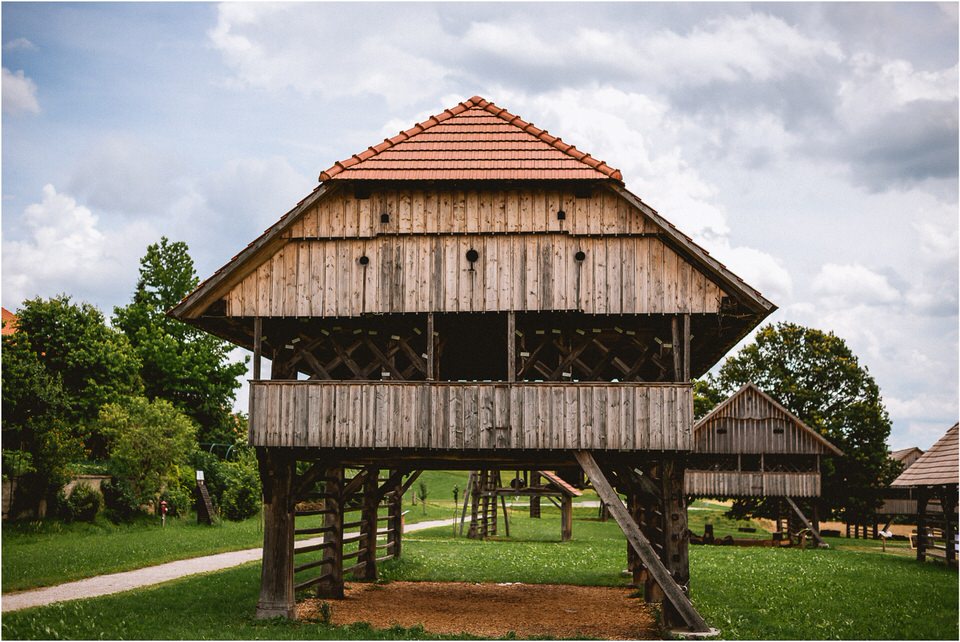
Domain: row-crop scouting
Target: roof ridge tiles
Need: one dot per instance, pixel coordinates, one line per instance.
(477, 103)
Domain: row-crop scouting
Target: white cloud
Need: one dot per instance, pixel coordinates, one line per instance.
(19, 93)
(66, 251)
(849, 285)
(19, 44)
(122, 173)
(303, 47)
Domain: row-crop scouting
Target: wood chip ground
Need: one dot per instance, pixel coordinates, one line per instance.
(493, 610)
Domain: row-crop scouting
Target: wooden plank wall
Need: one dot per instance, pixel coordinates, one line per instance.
(724, 483)
(414, 211)
(471, 416)
(619, 275)
(747, 425)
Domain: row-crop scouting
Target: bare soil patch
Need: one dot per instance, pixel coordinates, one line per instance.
(493, 610)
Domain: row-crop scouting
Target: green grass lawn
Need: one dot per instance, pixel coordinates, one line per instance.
(51, 552)
(749, 593)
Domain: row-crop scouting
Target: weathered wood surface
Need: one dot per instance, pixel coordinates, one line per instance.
(677, 598)
(471, 416)
(623, 274)
(418, 211)
(732, 483)
(749, 422)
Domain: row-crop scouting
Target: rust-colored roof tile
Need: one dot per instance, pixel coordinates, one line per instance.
(474, 140)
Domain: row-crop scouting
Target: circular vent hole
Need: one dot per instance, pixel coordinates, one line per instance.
(472, 255)
(363, 260)
(580, 256)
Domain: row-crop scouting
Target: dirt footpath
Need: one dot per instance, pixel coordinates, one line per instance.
(493, 610)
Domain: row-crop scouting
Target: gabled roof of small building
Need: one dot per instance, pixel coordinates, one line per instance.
(721, 411)
(561, 485)
(475, 140)
(936, 467)
(903, 453)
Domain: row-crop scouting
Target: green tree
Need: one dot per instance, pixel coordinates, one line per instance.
(39, 446)
(150, 445)
(181, 364)
(817, 377)
(93, 363)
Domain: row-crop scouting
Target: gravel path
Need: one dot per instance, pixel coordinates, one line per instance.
(118, 582)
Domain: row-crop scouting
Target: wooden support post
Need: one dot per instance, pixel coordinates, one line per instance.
(467, 496)
(431, 349)
(948, 500)
(368, 531)
(474, 532)
(634, 565)
(806, 522)
(686, 348)
(395, 538)
(566, 518)
(922, 498)
(511, 346)
(535, 499)
(332, 587)
(277, 472)
(675, 330)
(257, 346)
(675, 595)
(675, 553)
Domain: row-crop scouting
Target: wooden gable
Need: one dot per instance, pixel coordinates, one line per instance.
(751, 422)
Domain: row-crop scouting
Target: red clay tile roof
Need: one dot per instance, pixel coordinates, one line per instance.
(473, 140)
(9, 322)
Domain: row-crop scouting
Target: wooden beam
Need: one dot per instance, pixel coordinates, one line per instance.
(806, 522)
(511, 346)
(431, 349)
(409, 482)
(686, 348)
(257, 346)
(332, 586)
(641, 545)
(277, 471)
(675, 329)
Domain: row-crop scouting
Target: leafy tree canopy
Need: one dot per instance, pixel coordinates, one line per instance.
(181, 364)
(39, 446)
(93, 363)
(150, 442)
(817, 377)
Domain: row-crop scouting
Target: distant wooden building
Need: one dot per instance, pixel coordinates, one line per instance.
(906, 456)
(751, 446)
(472, 293)
(934, 476)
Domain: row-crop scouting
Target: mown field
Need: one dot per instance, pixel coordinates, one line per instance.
(748, 593)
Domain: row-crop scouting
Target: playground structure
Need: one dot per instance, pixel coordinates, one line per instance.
(471, 294)
(933, 479)
(486, 487)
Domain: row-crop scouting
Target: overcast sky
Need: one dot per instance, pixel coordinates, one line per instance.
(811, 147)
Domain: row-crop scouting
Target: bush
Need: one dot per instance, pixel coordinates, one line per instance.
(119, 500)
(179, 501)
(84, 504)
(242, 494)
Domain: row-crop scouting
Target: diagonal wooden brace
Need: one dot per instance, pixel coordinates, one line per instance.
(806, 522)
(641, 545)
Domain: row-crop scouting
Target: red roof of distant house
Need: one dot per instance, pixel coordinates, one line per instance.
(473, 140)
(9, 322)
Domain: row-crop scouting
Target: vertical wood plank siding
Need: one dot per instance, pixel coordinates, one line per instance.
(723, 483)
(340, 215)
(747, 426)
(619, 274)
(476, 416)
